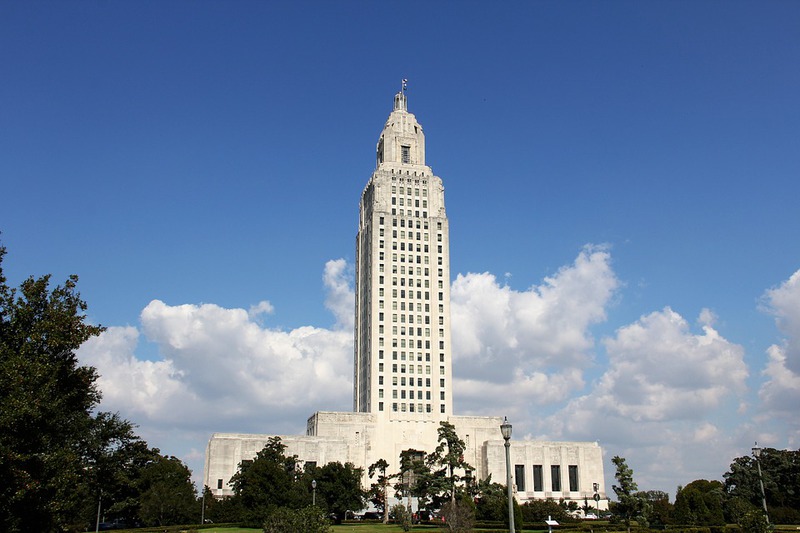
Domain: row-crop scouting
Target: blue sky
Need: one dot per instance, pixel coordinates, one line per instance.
(621, 183)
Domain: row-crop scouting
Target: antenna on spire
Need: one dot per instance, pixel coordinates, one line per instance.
(404, 85)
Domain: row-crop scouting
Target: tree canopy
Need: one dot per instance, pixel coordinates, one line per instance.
(780, 470)
(630, 506)
(47, 431)
(59, 458)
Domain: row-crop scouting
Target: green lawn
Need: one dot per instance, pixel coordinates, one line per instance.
(366, 527)
(344, 528)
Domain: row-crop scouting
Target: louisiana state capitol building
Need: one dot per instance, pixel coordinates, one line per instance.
(402, 372)
(403, 367)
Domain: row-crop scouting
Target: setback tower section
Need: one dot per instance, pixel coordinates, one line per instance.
(403, 364)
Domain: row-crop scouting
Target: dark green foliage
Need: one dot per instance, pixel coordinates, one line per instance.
(536, 512)
(402, 516)
(46, 423)
(660, 508)
(754, 522)
(445, 465)
(266, 483)
(58, 458)
(224, 510)
(167, 496)
(414, 477)
(339, 488)
(629, 505)
(492, 504)
(459, 514)
(700, 503)
(272, 481)
(377, 491)
(781, 473)
(308, 520)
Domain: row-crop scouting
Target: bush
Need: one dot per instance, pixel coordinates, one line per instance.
(307, 520)
(459, 516)
(401, 516)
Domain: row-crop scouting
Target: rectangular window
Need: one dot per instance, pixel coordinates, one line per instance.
(538, 478)
(380, 406)
(219, 483)
(519, 477)
(573, 478)
(406, 154)
(555, 478)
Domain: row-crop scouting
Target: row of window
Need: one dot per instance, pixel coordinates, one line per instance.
(411, 394)
(410, 369)
(409, 180)
(411, 382)
(407, 190)
(411, 356)
(408, 213)
(399, 201)
(410, 343)
(411, 223)
(411, 258)
(410, 235)
(538, 478)
(402, 407)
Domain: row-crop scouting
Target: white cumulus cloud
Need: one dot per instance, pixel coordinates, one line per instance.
(534, 342)
(220, 369)
(780, 394)
(663, 387)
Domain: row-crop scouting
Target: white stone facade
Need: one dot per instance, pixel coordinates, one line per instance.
(403, 364)
(402, 380)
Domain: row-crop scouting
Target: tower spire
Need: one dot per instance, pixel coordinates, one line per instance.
(400, 102)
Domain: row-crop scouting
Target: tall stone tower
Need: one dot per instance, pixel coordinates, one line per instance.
(402, 382)
(403, 367)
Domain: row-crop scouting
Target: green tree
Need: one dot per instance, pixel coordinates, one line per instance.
(402, 516)
(780, 470)
(492, 504)
(117, 458)
(223, 510)
(700, 504)
(459, 515)
(660, 508)
(310, 519)
(266, 482)
(414, 476)
(629, 506)
(339, 487)
(167, 495)
(445, 462)
(48, 398)
(378, 491)
(535, 512)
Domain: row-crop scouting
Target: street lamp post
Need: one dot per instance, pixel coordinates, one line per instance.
(757, 455)
(314, 492)
(99, 505)
(596, 497)
(505, 429)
